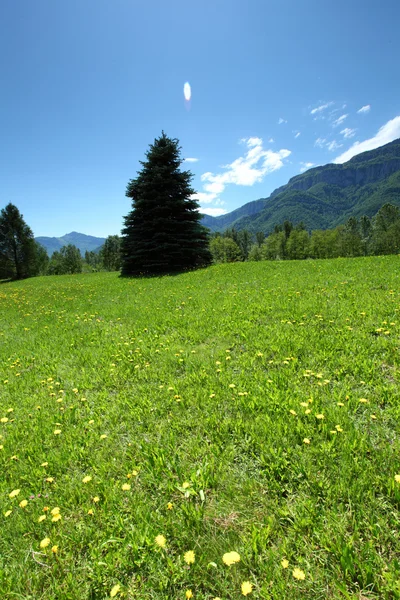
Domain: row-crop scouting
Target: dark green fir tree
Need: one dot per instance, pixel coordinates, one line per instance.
(162, 233)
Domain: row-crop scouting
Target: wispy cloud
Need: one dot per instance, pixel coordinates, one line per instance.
(271, 140)
(191, 160)
(280, 121)
(320, 142)
(306, 165)
(296, 134)
(387, 133)
(339, 120)
(348, 133)
(321, 108)
(333, 145)
(246, 170)
(213, 212)
(364, 109)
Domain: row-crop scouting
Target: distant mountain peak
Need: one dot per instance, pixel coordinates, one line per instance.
(80, 240)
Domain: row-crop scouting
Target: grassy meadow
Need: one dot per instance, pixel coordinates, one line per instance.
(219, 434)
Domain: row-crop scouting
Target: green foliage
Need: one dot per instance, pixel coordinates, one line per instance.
(202, 390)
(67, 261)
(111, 253)
(163, 233)
(18, 250)
(224, 250)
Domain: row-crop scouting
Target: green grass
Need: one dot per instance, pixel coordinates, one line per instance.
(206, 385)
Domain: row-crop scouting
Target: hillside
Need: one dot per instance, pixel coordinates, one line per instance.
(324, 196)
(80, 240)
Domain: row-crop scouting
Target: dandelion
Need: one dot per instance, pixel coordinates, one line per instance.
(23, 503)
(160, 541)
(50, 479)
(45, 464)
(56, 518)
(373, 417)
(55, 511)
(364, 401)
(189, 594)
(320, 416)
(340, 404)
(14, 493)
(397, 478)
(42, 518)
(54, 549)
(103, 436)
(298, 574)
(306, 441)
(307, 412)
(170, 506)
(86, 479)
(90, 511)
(115, 590)
(284, 563)
(57, 431)
(247, 588)
(44, 543)
(96, 499)
(189, 557)
(126, 487)
(7, 513)
(230, 558)
(338, 428)
(3, 420)
(185, 485)
(232, 385)
(293, 412)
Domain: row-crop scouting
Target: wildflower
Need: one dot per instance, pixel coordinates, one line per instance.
(338, 428)
(293, 412)
(45, 508)
(90, 511)
(44, 464)
(103, 436)
(298, 574)
(126, 487)
(14, 493)
(320, 416)
(304, 404)
(232, 385)
(185, 485)
(306, 440)
(3, 420)
(55, 511)
(307, 412)
(340, 404)
(96, 499)
(373, 417)
(230, 558)
(86, 479)
(284, 563)
(160, 541)
(7, 513)
(57, 431)
(397, 478)
(41, 518)
(45, 542)
(189, 594)
(247, 588)
(115, 590)
(189, 557)
(50, 479)
(170, 506)
(23, 503)
(54, 549)
(364, 401)
(56, 518)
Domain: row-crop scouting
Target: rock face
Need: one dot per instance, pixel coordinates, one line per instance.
(324, 196)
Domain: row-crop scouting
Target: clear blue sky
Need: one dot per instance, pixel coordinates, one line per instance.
(86, 85)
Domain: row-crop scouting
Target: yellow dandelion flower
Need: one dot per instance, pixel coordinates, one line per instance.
(115, 590)
(232, 385)
(298, 574)
(90, 511)
(44, 543)
(189, 557)
(185, 485)
(55, 510)
(103, 436)
(247, 588)
(135, 473)
(4, 420)
(126, 487)
(170, 506)
(23, 503)
(307, 412)
(54, 549)
(320, 416)
(340, 404)
(56, 518)
(364, 401)
(57, 431)
(42, 518)
(45, 508)
(96, 499)
(397, 478)
(338, 428)
(14, 493)
(45, 464)
(160, 541)
(373, 417)
(230, 558)
(304, 404)
(293, 412)
(86, 479)
(333, 431)
(50, 479)
(7, 513)
(188, 594)
(284, 563)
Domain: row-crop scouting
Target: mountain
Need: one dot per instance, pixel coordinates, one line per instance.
(325, 196)
(80, 240)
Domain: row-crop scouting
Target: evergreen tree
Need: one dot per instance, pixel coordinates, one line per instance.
(18, 251)
(162, 233)
(111, 253)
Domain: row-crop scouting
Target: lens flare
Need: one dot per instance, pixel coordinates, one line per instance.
(187, 91)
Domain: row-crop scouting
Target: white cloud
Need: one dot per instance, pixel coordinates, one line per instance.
(387, 133)
(203, 197)
(297, 134)
(305, 166)
(191, 160)
(213, 212)
(271, 140)
(348, 133)
(320, 109)
(339, 121)
(320, 142)
(281, 121)
(364, 109)
(333, 145)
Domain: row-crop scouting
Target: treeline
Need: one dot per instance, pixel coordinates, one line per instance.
(357, 237)
(21, 256)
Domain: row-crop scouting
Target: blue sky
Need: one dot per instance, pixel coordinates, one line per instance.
(277, 86)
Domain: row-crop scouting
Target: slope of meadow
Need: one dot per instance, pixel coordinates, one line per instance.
(251, 408)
